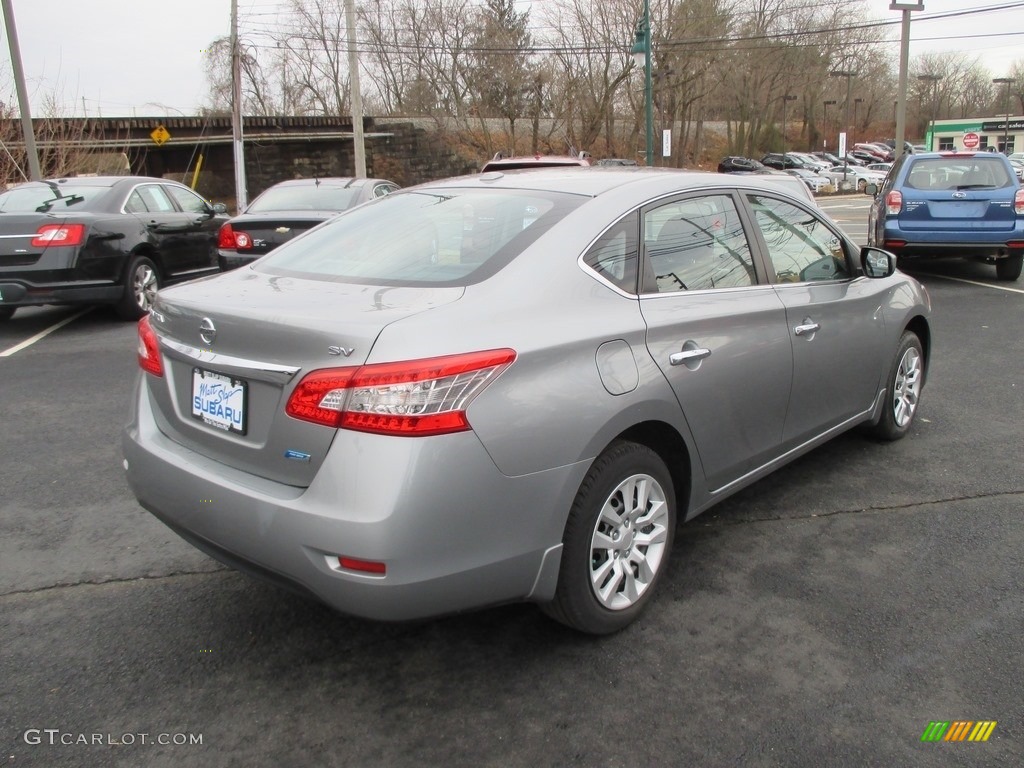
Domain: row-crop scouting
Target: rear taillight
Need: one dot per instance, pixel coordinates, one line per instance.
(894, 202)
(231, 240)
(58, 235)
(1018, 202)
(414, 398)
(149, 349)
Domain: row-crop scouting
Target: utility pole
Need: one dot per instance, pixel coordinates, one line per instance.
(355, 94)
(35, 173)
(906, 6)
(241, 196)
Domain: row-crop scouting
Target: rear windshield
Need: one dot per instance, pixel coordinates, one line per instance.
(304, 198)
(448, 237)
(970, 172)
(42, 198)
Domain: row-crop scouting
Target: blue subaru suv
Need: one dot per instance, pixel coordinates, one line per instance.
(941, 204)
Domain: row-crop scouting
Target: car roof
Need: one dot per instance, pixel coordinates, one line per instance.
(329, 181)
(99, 181)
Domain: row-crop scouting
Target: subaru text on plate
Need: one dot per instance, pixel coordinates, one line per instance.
(513, 386)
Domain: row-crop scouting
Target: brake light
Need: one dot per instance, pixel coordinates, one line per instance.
(149, 349)
(413, 398)
(229, 239)
(894, 202)
(58, 235)
(1018, 202)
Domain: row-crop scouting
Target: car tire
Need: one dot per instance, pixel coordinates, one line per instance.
(1010, 267)
(902, 389)
(140, 285)
(6, 313)
(624, 513)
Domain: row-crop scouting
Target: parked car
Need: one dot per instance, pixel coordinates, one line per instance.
(502, 162)
(857, 176)
(882, 168)
(1018, 168)
(814, 181)
(615, 161)
(783, 162)
(810, 162)
(102, 240)
(527, 411)
(943, 204)
(737, 164)
(288, 209)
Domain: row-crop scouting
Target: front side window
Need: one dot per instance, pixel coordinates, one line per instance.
(189, 201)
(801, 246)
(428, 237)
(696, 244)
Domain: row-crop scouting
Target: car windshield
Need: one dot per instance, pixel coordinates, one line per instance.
(41, 197)
(445, 237)
(968, 172)
(312, 197)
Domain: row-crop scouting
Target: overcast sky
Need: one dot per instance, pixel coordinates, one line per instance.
(144, 57)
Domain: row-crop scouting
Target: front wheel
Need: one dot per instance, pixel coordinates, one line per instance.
(903, 389)
(617, 540)
(140, 287)
(1010, 267)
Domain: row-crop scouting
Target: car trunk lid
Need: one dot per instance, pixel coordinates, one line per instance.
(267, 232)
(235, 346)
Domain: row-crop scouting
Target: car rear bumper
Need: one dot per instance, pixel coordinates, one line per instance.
(228, 260)
(21, 293)
(946, 244)
(477, 539)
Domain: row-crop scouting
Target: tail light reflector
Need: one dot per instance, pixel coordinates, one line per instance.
(1018, 202)
(894, 202)
(362, 566)
(149, 349)
(413, 398)
(58, 235)
(229, 239)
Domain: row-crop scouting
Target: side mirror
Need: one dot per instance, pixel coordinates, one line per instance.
(871, 189)
(220, 208)
(877, 263)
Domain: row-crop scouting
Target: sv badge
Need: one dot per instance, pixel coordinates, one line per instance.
(346, 351)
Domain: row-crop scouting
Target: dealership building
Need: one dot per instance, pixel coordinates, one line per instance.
(988, 132)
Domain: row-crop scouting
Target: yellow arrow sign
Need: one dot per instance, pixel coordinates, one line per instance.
(159, 135)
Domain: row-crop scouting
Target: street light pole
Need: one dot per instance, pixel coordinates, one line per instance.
(785, 100)
(849, 74)
(853, 130)
(901, 111)
(934, 80)
(1006, 111)
(827, 102)
(642, 55)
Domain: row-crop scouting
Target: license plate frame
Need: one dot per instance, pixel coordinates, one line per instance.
(220, 401)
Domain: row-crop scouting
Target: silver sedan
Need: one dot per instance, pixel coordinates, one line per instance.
(513, 386)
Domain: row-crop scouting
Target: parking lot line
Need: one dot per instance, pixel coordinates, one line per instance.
(978, 282)
(43, 334)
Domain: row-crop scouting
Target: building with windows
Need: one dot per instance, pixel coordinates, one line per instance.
(946, 135)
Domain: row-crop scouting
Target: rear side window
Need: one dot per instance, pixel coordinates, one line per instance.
(614, 256)
(449, 237)
(958, 173)
(696, 244)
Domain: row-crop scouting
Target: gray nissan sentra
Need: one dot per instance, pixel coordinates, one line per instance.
(513, 386)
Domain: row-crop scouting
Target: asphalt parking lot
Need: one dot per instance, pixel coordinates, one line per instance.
(823, 617)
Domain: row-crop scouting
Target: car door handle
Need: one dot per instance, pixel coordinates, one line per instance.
(686, 355)
(806, 328)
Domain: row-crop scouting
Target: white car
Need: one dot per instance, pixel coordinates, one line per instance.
(815, 182)
(855, 176)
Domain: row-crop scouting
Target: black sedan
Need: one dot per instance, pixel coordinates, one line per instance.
(102, 240)
(289, 209)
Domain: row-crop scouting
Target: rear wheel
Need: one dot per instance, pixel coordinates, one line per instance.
(903, 389)
(1010, 267)
(617, 540)
(140, 286)
(6, 313)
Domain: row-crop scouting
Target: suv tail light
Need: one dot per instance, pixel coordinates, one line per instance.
(414, 398)
(58, 235)
(149, 349)
(229, 239)
(1018, 202)
(894, 202)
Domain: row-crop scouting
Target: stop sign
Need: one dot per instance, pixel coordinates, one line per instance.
(971, 140)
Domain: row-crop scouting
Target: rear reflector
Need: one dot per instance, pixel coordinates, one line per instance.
(149, 349)
(413, 398)
(58, 235)
(363, 566)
